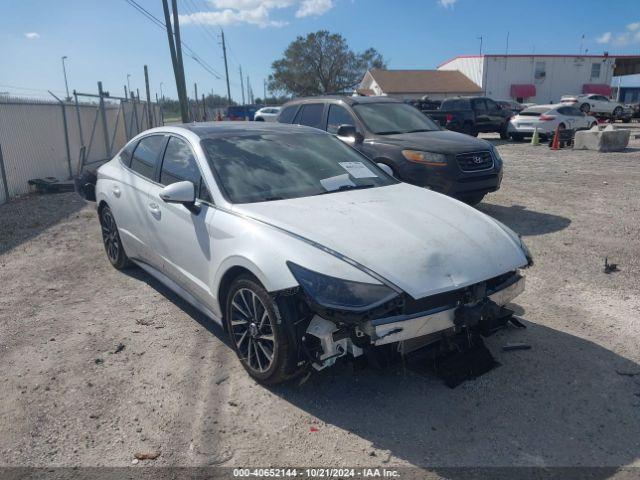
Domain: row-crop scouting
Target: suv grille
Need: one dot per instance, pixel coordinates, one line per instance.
(474, 161)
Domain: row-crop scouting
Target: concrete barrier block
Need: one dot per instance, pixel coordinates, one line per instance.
(607, 140)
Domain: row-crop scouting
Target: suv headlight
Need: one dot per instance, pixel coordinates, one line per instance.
(426, 158)
(340, 294)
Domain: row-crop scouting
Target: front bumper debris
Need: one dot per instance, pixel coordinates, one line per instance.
(405, 327)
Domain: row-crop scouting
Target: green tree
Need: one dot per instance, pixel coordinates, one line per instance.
(321, 63)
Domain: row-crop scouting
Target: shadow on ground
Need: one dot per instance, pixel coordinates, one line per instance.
(24, 218)
(565, 402)
(206, 322)
(561, 403)
(523, 221)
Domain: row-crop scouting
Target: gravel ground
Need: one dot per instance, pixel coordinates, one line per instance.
(71, 396)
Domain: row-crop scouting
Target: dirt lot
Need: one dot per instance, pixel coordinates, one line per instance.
(67, 398)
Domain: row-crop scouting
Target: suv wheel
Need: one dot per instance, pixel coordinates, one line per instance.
(260, 342)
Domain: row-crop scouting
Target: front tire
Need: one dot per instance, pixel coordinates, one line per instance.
(259, 119)
(260, 342)
(111, 240)
(617, 112)
(504, 132)
(585, 108)
(473, 200)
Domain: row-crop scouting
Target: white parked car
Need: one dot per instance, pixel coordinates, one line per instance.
(267, 114)
(596, 104)
(546, 118)
(301, 247)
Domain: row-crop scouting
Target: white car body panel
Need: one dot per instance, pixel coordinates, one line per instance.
(428, 242)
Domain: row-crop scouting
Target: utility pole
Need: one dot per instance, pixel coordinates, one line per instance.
(197, 111)
(241, 84)
(204, 109)
(66, 84)
(480, 38)
(184, 113)
(146, 84)
(249, 99)
(264, 91)
(176, 31)
(226, 68)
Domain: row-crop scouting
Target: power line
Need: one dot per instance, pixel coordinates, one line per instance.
(160, 24)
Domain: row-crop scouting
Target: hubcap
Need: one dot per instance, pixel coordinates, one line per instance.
(252, 330)
(110, 236)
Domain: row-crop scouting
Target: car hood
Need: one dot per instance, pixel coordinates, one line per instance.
(439, 141)
(421, 241)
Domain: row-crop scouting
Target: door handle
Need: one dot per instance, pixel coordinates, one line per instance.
(154, 208)
(116, 191)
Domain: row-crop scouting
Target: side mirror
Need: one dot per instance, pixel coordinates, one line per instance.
(385, 168)
(349, 134)
(183, 193)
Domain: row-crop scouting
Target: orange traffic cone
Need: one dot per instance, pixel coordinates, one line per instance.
(555, 145)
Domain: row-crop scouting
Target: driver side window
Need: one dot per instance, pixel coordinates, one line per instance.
(179, 164)
(338, 116)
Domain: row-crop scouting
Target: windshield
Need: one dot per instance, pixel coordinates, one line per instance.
(389, 118)
(269, 166)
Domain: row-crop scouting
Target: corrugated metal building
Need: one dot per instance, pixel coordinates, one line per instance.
(537, 78)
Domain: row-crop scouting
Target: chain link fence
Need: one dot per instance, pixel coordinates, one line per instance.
(57, 138)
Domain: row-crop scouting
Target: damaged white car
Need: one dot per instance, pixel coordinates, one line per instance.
(302, 248)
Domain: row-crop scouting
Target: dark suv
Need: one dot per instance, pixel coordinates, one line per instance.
(414, 147)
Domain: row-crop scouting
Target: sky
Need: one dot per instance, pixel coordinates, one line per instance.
(106, 40)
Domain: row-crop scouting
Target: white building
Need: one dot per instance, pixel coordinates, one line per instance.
(537, 78)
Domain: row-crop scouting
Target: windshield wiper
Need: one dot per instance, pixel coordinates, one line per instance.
(420, 130)
(342, 188)
(388, 132)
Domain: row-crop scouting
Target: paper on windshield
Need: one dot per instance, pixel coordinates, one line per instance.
(357, 170)
(334, 183)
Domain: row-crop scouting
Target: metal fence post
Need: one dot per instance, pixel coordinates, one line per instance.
(66, 133)
(103, 114)
(4, 177)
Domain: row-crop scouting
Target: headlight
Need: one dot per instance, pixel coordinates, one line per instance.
(340, 294)
(426, 158)
(497, 157)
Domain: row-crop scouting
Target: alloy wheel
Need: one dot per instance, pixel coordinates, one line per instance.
(110, 235)
(252, 330)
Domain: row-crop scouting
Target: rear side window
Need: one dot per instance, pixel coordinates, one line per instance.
(125, 155)
(310, 115)
(147, 154)
(338, 116)
(287, 114)
(480, 105)
(179, 165)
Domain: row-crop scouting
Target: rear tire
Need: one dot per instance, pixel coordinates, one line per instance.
(259, 119)
(261, 343)
(517, 137)
(111, 240)
(617, 112)
(504, 133)
(585, 108)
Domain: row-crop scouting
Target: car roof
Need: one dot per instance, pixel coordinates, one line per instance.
(217, 129)
(348, 100)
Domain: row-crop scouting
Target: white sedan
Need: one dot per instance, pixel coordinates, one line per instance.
(595, 104)
(301, 247)
(547, 118)
(267, 114)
